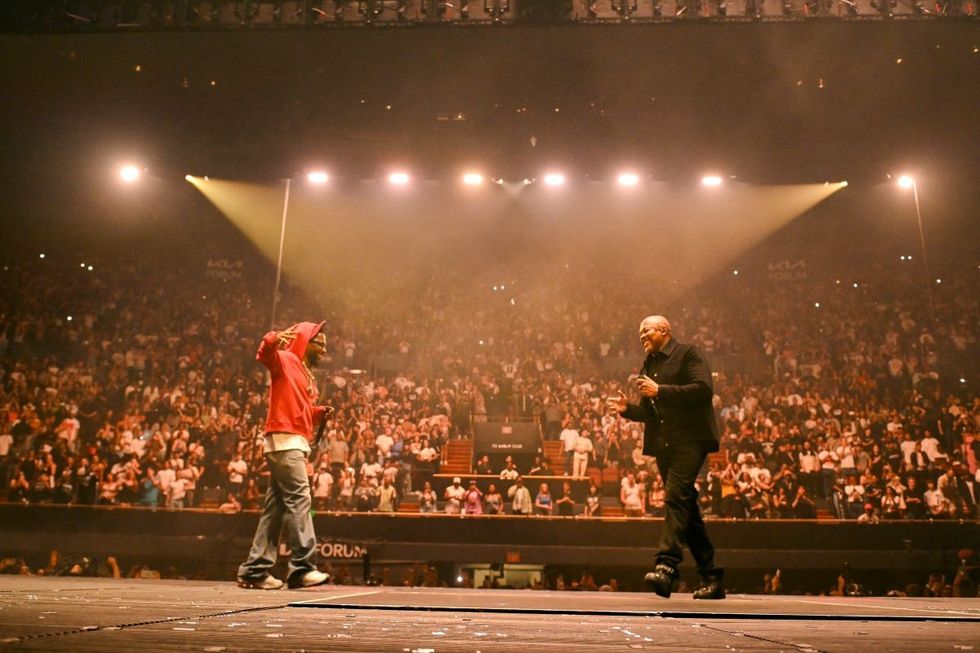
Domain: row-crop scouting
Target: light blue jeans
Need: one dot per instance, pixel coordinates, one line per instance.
(287, 505)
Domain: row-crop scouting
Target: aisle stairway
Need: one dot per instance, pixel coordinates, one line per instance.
(457, 457)
(554, 450)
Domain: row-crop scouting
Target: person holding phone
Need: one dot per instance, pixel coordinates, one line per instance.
(680, 430)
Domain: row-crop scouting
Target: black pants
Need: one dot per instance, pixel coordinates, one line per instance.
(679, 465)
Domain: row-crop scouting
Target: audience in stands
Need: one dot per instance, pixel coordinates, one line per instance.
(118, 387)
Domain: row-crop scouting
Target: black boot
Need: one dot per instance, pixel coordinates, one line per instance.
(661, 580)
(711, 588)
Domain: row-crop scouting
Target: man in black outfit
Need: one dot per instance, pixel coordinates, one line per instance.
(679, 430)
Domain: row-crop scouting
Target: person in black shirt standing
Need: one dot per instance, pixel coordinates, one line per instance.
(680, 430)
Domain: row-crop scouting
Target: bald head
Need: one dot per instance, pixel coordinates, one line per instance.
(655, 321)
(654, 333)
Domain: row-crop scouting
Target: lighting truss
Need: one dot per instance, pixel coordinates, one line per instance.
(128, 15)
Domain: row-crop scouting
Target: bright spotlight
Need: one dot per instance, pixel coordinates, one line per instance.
(129, 173)
(473, 179)
(628, 179)
(554, 179)
(905, 181)
(711, 180)
(398, 178)
(317, 177)
(188, 178)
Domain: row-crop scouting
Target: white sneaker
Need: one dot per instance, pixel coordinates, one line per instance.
(309, 579)
(270, 582)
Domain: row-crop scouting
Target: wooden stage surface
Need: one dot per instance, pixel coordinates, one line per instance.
(88, 614)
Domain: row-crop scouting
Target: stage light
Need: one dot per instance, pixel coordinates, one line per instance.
(628, 179)
(317, 177)
(129, 173)
(398, 178)
(189, 178)
(554, 179)
(473, 179)
(711, 180)
(905, 181)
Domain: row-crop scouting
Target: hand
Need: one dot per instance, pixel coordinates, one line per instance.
(647, 386)
(617, 404)
(328, 410)
(285, 338)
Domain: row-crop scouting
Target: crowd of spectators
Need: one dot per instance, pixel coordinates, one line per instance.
(125, 386)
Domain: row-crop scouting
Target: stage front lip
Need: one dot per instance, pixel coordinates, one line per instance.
(679, 606)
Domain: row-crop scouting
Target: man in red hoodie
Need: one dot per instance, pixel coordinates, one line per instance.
(290, 356)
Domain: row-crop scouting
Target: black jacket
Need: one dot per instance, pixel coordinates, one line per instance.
(682, 410)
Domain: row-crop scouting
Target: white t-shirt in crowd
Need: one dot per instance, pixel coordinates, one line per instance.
(568, 437)
(322, 484)
(165, 477)
(237, 470)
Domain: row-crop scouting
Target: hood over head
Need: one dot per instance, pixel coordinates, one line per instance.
(305, 331)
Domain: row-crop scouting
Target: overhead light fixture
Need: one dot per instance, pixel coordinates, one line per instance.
(554, 179)
(906, 181)
(628, 179)
(317, 177)
(129, 173)
(711, 180)
(473, 179)
(398, 178)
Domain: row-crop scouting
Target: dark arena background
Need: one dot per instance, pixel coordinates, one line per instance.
(482, 200)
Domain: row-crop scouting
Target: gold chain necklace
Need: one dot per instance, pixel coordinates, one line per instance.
(311, 379)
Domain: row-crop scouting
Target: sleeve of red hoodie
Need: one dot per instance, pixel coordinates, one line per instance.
(268, 348)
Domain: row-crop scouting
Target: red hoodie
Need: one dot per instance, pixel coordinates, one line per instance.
(292, 397)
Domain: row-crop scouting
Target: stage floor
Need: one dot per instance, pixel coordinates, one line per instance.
(82, 614)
